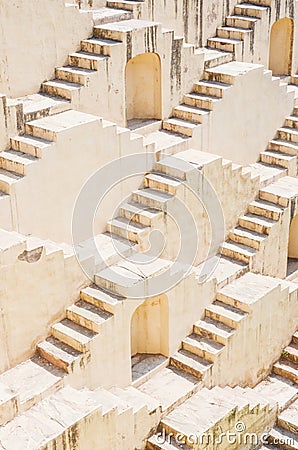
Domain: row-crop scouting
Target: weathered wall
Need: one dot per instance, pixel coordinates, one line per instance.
(36, 36)
(33, 295)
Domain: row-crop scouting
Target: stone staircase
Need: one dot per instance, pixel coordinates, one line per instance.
(283, 149)
(196, 423)
(200, 102)
(217, 84)
(39, 137)
(146, 208)
(55, 96)
(255, 226)
(282, 387)
(63, 418)
(26, 149)
(236, 37)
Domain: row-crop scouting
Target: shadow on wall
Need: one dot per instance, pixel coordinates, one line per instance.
(281, 47)
(143, 87)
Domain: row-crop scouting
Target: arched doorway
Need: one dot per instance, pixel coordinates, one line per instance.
(281, 47)
(293, 248)
(149, 335)
(293, 238)
(143, 87)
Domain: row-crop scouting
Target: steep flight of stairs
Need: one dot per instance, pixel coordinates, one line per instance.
(282, 386)
(283, 149)
(237, 35)
(55, 95)
(200, 102)
(263, 214)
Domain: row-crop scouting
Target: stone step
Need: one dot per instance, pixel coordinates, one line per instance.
(60, 355)
(8, 404)
(87, 315)
(247, 237)
(40, 105)
(175, 167)
(203, 101)
(256, 223)
(286, 369)
(152, 198)
(281, 192)
(109, 15)
(214, 330)
(294, 79)
(7, 180)
(291, 352)
(288, 134)
(30, 145)
(278, 158)
(288, 419)
(73, 335)
(179, 126)
(236, 33)
(74, 74)
(283, 437)
(268, 173)
(128, 5)
(241, 21)
(60, 88)
(162, 182)
(99, 46)
(212, 88)
(52, 421)
(202, 347)
(170, 387)
(224, 313)
(190, 113)
(15, 161)
(32, 381)
(253, 399)
(250, 10)
(139, 213)
(198, 415)
(291, 122)
(295, 337)
(103, 299)
(225, 44)
(266, 209)
(214, 57)
(133, 231)
(86, 60)
(291, 148)
(237, 251)
(190, 363)
(137, 399)
(279, 389)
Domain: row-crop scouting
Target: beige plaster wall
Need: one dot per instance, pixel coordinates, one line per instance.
(33, 296)
(36, 36)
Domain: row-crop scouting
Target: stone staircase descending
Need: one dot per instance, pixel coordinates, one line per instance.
(55, 96)
(64, 418)
(188, 118)
(196, 423)
(200, 102)
(283, 149)
(145, 209)
(237, 36)
(40, 136)
(263, 214)
(282, 387)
